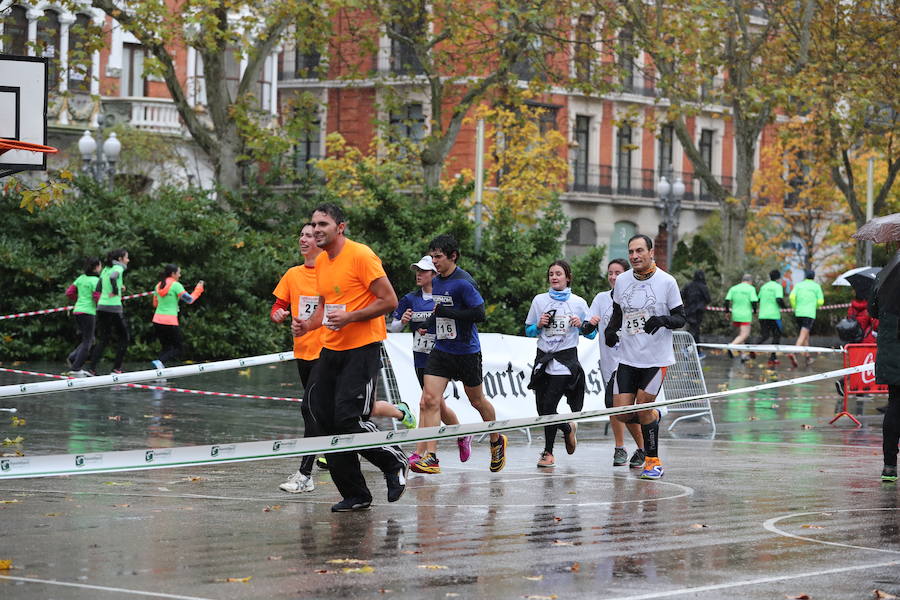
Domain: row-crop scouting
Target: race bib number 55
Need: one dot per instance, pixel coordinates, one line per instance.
(557, 326)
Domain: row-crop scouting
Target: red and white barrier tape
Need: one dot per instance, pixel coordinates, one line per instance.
(61, 308)
(826, 307)
(161, 388)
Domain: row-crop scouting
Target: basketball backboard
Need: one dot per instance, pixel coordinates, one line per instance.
(23, 106)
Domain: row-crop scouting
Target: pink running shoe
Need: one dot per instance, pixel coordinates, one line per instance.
(465, 447)
(414, 458)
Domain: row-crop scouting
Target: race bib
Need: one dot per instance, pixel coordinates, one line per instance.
(634, 321)
(423, 343)
(330, 308)
(557, 326)
(446, 328)
(307, 307)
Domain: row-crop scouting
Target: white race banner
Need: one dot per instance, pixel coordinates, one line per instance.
(506, 365)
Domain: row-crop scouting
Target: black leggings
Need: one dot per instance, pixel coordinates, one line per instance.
(548, 391)
(171, 340)
(107, 323)
(890, 428)
(80, 354)
(304, 368)
(769, 329)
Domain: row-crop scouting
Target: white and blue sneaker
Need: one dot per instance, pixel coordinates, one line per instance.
(652, 468)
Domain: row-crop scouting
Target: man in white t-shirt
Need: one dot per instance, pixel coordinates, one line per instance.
(646, 307)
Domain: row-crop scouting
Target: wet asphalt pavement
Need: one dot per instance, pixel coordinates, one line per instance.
(779, 504)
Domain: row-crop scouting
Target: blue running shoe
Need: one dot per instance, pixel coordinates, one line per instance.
(652, 468)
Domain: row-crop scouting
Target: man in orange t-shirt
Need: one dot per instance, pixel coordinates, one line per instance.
(354, 297)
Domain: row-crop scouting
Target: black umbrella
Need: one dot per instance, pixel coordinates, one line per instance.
(887, 286)
(880, 229)
(862, 281)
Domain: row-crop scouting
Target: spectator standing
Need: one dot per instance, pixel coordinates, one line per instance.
(696, 298)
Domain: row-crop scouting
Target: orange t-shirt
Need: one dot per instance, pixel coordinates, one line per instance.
(345, 282)
(298, 286)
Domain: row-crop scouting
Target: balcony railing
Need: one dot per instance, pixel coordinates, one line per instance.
(150, 114)
(636, 183)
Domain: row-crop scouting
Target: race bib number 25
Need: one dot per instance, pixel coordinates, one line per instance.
(307, 307)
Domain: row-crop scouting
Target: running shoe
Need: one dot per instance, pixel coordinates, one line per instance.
(409, 419)
(498, 454)
(80, 373)
(571, 440)
(322, 462)
(396, 482)
(351, 504)
(298, 482)
(652, 468)
(413, 458)
(753, 355)
(793, 360)
(157, 364)
(465, 447)
(620, 457)
(889, 473)
(701, 355)
(772, 364)
(546, 460)
(637, 459)
(427, 464)
(116, 372)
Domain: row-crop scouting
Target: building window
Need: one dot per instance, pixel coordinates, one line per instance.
(582, 232)
(623, 159)
(618, 242)
(79, 60)
(582, 139)
(706, 149)
(307, 148)
(264, 85)
(407, 123)
(584, 49)
(666, 141)
(133, 82)
(306, 64)
(626, 60)
(48, 41)
(404, 60)
(15, 31)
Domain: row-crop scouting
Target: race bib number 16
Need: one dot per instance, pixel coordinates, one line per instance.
(446, 328)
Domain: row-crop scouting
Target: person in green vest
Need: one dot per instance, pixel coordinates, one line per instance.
(82, 293)
(166, 295)
(110, 314)
(741, 300)
(806, 297)
(771, 301)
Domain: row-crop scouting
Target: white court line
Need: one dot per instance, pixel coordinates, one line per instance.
(101, 588)
(685, 491)
(759, 581)
(770, 526)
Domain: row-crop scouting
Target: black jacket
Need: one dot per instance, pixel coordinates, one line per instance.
(695, 294)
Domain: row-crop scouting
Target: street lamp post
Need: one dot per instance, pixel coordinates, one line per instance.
(100, 159)
(671, 195)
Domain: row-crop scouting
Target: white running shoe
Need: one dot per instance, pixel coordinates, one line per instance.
(298, 482)
(80, 373)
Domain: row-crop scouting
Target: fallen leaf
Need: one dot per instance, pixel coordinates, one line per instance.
(121, 505)
(384, 591)
(698, 526)
(723, 387)
(574, 568)
(52, 514)
(10, 442)
(754, 418)
(5, 564)
(271, 508)
(805, 426)
(239, 579)
(879, 595)
(432, 567)
(451, 595)
(412, 552)
(365, 570)
(812, 527)
(573, 492)
(532, 597)
(163, 489)
(9, 501)
(273, 558)
(244, 373)
(168, 416)
(557, 519)
(534, 578)
(114, 418)
(798, 597)
(322, 571)
(114, 483)
(348, 561)
(562, 543)
(774, 406)
(17, 421)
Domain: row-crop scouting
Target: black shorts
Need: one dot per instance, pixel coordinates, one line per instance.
(806, 322)
(628, 418)
(629, 380)
(460, 367)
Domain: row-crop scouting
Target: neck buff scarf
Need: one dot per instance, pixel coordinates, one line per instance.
(646, 274)
(561, 295)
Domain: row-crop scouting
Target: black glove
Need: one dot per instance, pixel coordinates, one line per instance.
(611, 337)
(655, 323)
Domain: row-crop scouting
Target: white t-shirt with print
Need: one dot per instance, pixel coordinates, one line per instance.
(640, 300)
(602, 307)
(558, 334)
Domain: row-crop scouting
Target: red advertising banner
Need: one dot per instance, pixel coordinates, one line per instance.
(861, 383)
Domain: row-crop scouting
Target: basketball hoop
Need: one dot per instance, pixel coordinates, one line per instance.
(6, 145)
